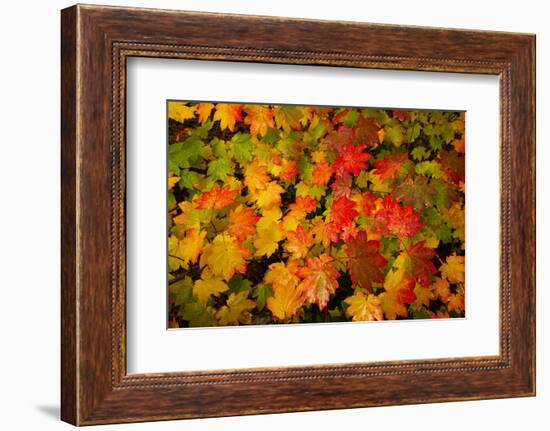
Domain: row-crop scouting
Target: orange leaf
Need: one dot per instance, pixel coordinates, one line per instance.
(389, 165)
(242, 222)
(320, 280)
(228, 114)
(260, 118)
(217, 197)
(398, 220)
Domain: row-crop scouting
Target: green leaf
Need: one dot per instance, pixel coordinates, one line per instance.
(413, 132)
(351, 118)
(431, 168)
(242, 148)
(261, 293)
(239, 284)
(198, 315)
(189, 179)
(219, 169)
(183, 154)
(436, 143)
(419, 153)
(271, 136)
(395, 135)
(201, 132)
(421, 313)
(182, 291)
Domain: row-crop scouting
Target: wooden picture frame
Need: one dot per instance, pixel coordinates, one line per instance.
(95, 43)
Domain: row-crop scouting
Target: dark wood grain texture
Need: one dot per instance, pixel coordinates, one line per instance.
(96, 41)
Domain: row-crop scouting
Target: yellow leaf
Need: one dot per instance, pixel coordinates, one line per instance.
(267, 240)
(228, 114)
(268, 217)
(363, 307)
(278, 275)
(180, 111)
(183, 251)
(172, 181)
(192, 244)
(175, 254)
(286, 301)
(453, 269)
(224, 256)
(441, 289)
(204, 110)
(423, 296)
(391, 306)
(269, 197)
(208, 286)
(237, 310)
(255, 177)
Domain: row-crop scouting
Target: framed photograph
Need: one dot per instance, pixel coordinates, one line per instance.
(264, 208)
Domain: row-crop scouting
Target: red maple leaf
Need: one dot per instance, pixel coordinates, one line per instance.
(351, 160)
(389, 165)
(342, 212)
(368, 202)
(217, 198)
(398, 220)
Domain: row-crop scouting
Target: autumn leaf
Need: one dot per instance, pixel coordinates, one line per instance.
(298, 242)
(351, 160)
(236, 310)
(417, 262)
(367, 131)
(303, 204)
(453, 269)
(322, 174)
(204, 109)
(217, 197)
(456, 303)
(268, 197)
(418, 193)
(453, 165)
(228, 114)
(365, 263)
(389, 166)
(198, 314)
(398, 220)
(267, 239)
(286, 301)
(208, 286)
(441, 289)
(180, 111)
(225, 256)
(259, 118)
(342, 212)
(255, 177)
(338, 139)
(320, 280)
(363, 307)
(288, 170)
(279, 275)
(288, 117)
(242, 222)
